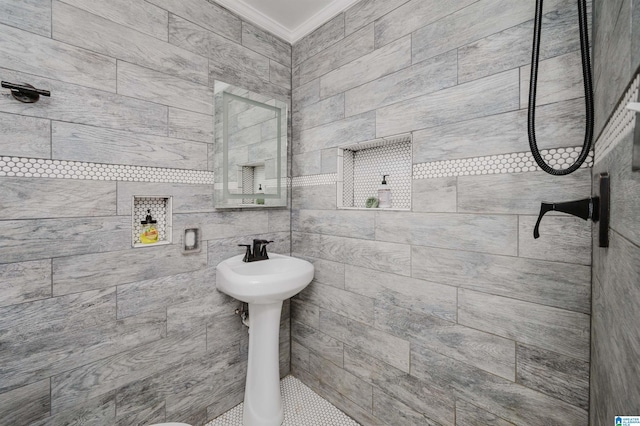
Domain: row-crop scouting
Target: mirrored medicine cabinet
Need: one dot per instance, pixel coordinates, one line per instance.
(250, 150)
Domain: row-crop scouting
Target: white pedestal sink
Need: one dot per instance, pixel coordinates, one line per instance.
(264, 285)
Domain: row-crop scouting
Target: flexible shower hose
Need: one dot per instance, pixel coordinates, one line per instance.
(588, 91)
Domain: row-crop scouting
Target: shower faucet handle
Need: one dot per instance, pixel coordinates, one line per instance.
(586, 209)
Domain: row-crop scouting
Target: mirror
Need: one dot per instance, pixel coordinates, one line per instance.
(250, 151)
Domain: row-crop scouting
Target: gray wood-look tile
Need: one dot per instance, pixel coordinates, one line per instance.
(279, 74)
(322, 344)
(504, 398)
(345, 303)
(413, 15)
(97, 411)
(206, 14)
(362, 415)
(344, 51)
(222, 224)
(341, 223)
(136, 14)
(25, 405)
(393, 412)
(305, 313)
(83, 29)
(321, 38)
(30, 15)
(306, 94)
(559, 124)
(562, 239)
(426, 77)
(329, 161)
(323, 112)
(558, 330)
(556, 284)
(381, 256)
(198, 313)
(328, 272)
(266, 43)
(314, 197)
(29, 53)
(463, 26)
(25, 282)
(279, 220)
(367, 11)
(98, 270)
(511, 48)
(483, 350)
(64, 345)
(87, 106)
(153, 86)
(186, 198)
(16, 140)
(410, 293)
(420, 395)
(248, 80)
(379, 344)
(556, 375)
(226, 56)
(225, 330)
(519, 193)
(150, 295)
(435, 195)
(95, 144)
(345, 383)
(479, 98)
(380, 62)
(190, 126)
(308, 163)
(470, 415)
(559, 79)
(497, 234)
(50, 198)
(233, 395)
(153, 411)
(354, 129)
(615, 339)
(33, 239)
(108, 374)
(299, 356)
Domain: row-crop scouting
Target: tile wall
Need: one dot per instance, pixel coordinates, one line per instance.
(450, 313)
(92, 330)
(615, 338)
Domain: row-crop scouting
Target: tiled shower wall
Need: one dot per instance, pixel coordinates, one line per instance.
(451, 313)
(615, 338)
(92, 330)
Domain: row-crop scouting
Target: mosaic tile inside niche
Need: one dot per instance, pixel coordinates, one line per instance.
(158, 210)
(370, 164)
(520, 162)
(61, 169)
(247, 183)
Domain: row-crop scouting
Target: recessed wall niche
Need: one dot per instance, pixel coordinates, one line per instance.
(159, 208)
(362, 165)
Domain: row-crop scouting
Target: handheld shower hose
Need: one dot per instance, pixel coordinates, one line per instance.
(588, 91)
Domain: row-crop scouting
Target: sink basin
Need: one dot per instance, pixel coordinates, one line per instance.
(264, 285)
(265, 281)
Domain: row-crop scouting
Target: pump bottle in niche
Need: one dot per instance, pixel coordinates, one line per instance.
(384, 194)
(149, 234)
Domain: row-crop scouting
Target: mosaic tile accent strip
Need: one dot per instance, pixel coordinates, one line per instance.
(302, 407)
(61, 169)
(622, 122)
(520, 162)
(158, 210)
(347, 184)
(313, 180)
(370, 164)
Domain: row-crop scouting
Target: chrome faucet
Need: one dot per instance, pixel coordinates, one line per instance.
(259, 251)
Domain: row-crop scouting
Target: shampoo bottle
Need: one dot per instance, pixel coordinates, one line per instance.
(149, 234)
(384, 194)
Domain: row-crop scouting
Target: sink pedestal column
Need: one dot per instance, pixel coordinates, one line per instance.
(262, 400)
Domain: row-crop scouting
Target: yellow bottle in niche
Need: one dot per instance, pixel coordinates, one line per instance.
(149, 234)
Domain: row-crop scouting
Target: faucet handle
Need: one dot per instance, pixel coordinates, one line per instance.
(263, 248)
(247, 254)
(544, 209)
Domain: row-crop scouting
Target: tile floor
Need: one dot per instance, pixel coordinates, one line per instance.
(302, 407)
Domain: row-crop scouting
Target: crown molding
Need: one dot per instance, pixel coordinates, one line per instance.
(258, 18)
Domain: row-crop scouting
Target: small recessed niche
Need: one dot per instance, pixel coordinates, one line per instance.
(159, 208)
(362, 165)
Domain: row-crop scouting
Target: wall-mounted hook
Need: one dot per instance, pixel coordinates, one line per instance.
(25, 92)
(594, 208)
